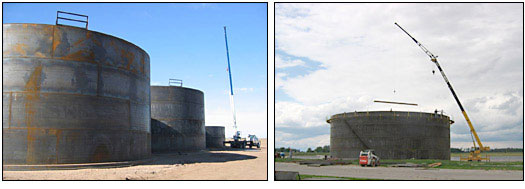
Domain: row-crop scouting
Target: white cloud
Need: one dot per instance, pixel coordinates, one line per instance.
(364, 57)
(280, 63)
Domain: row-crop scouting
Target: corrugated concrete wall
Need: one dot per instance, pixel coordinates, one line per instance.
(71, 95)
(393, 135)
(215, 136)
(178, 115)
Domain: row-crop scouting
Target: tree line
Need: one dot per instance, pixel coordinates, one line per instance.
(459, 150)
(318, 149)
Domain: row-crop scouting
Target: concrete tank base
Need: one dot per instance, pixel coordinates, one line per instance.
(393, 135)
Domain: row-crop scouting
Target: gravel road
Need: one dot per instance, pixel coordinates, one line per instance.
(394, 173)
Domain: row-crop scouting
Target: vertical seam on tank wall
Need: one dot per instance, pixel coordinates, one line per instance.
(129, 114)
(10, 109)
(99, 81)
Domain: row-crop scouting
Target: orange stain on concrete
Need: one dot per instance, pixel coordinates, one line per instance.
(20, 48)
(57, 133)
(32, 88)
(56, 39)
(81, 56)
(39, 54)
(127, 55)
(142, 64)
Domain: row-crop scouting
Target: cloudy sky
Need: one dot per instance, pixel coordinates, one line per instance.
(334, 58)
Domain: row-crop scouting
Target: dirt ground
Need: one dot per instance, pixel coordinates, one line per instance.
(205, 165)
(394, 173)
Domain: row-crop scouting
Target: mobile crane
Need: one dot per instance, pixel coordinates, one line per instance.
(476, 150)
(238, 141)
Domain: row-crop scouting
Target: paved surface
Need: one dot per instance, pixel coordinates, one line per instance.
(400, 173)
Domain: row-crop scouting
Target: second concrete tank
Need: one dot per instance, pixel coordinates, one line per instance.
(177, 115)
(393, 135)
(215, 136)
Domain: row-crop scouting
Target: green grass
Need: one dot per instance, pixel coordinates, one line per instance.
(288, 160)
(344, 178)
(310, 153)
(489, 154)
(447, 164)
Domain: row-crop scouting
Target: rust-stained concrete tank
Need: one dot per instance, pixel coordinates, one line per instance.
(177, 115)
(71, 95)
(392, 134)
(215, 136)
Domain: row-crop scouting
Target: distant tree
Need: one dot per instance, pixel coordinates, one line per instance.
(309, 150)
(455, 150)
(319, 149)
(326, 148)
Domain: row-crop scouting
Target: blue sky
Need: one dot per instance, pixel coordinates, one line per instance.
(186, 41)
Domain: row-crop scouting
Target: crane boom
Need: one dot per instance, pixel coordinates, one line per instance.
(433, 58)
(231, 84)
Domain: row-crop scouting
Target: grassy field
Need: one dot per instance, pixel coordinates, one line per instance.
(489, 154)
(342, 178)
(288, 160)
(451, 154)
(308, 153)
(446, 164)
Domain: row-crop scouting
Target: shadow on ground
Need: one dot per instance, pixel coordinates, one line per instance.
(195, 157)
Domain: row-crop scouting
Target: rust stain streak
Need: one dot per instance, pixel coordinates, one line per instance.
(127, 55)
(56, 40)
(79, 56)
(20, 48)
(143, 64)
(33, 88)
(58, 134)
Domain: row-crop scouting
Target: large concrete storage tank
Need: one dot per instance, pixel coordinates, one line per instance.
(215, 136)
(393, 135)
(71, 95)
(178, 117)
